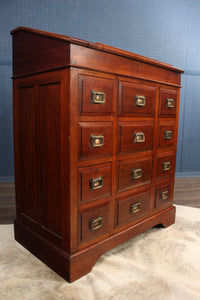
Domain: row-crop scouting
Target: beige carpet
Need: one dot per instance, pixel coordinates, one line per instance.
(159, 264)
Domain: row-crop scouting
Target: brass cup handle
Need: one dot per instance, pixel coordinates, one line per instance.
(96, 223)
(167, 134)
(98, 97)
(96, 141)
(96, 183)
(136, 174)
(140, 100)
(166, 166)
(164, 195)
(135, 207)
(169, 103)
(139, 137)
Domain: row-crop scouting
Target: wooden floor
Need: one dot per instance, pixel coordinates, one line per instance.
(187, 192)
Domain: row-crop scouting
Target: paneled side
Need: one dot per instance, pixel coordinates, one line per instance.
(50, 147)
(26, 159)
(40, 130)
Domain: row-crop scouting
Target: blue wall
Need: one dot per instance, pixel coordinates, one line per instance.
(167, 30)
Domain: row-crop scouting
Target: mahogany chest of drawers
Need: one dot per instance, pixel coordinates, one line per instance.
(95, 133)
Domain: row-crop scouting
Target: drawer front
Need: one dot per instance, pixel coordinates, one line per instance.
(136, 98)
(133, 208)
(96, 95)
(135, 137)
(94, 223)
(168, 102)
(134, 173)
(94, 182)
(163, 195)
(95, 139)
(167, 135)
(166, 165)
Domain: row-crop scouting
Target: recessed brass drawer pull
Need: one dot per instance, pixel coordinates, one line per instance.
(136, 173)
(98, 97)
(166, 165)
(167, 134)
(96, 183)
(164, 195)
(135, 207)
(140, 100)
(96, 223)
(139, 137)
(169, 103)
(96, 141)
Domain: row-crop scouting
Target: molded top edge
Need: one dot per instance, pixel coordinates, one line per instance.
(98, 46)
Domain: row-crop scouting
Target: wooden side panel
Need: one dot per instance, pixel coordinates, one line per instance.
(41, 148)
(34, 53)
(50, 155)
(25, 131)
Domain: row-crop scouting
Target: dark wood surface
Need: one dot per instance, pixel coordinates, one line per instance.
(86, 148)
(98, 84)
(61, 128)
(87, 177)
(127, 94)
(127, 132)
(163, 159)
(126, 169)
(41, 125)
(70, 267)
(124, 216)
(98, 46)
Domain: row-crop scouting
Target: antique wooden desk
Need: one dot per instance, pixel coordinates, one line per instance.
(95, 132)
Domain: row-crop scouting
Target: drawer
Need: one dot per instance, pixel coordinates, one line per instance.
(94, 182)
(166, 165)
(167, 135)
(134, 173)
(168, 102)
(94, 223)
(135, 136)
(135, 98)
(95, 139)
(96, 95)
(133, 208)
(163, 195)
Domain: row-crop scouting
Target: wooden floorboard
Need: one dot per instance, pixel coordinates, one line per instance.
(7, 202)
(186, 192)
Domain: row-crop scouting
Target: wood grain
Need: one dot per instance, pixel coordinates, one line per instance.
(65, 140)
